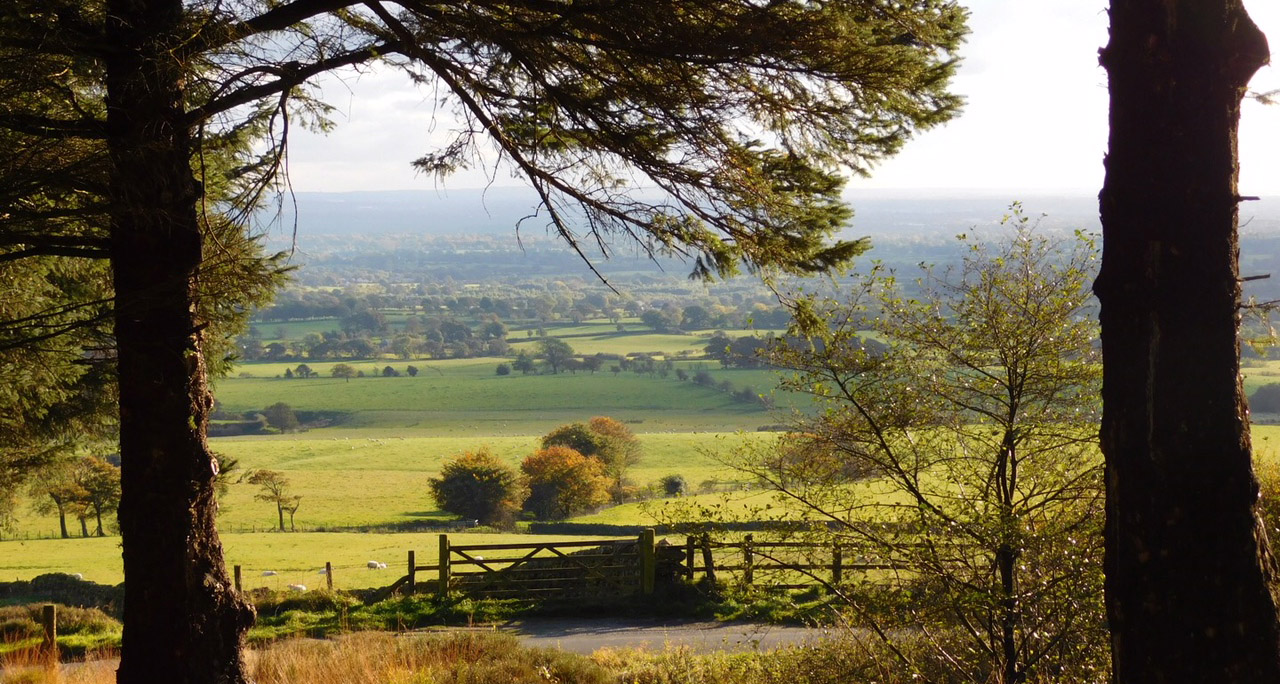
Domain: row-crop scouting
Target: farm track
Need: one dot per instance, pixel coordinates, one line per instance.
(587, 635)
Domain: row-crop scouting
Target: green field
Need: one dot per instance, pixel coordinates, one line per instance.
(466, 397)
(371, 466)
(349, 482)
(297, 558)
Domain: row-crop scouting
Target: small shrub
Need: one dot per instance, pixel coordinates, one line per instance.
(503, 369)
(674, 485)
(478, 485)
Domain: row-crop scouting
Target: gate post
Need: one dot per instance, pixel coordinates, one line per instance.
(648, 562)
(49, 620)
(708, 560)
(748, 559)
(689, 545)
(410, 586)
(442, 588)
(837, 556)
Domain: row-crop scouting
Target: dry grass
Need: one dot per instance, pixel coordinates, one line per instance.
(31, 666)
(485, 657)
(364, 658)
(378, 658)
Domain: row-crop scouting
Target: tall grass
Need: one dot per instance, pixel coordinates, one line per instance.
(486, 657)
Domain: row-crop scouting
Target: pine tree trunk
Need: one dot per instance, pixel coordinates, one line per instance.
(1189, 577)
(182, 620)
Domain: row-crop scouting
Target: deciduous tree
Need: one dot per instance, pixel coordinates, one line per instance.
(281, 416)
(274, 488)
(964, 454)
(563, 483)
(476, 484)
(556, 352)
(345, 371)
(101, 484)
(620, 450)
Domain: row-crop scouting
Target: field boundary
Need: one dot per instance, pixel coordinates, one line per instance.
(635, 566)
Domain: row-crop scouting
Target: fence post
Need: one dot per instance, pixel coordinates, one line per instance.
(707, 559)
(237, 576)
(443, 587)
(648, 561)
(49, 616)
(413, 569)
(689, 545)
(328, 574)
(748, 559)
(837, 561)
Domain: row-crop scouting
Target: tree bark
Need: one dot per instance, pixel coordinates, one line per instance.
(62, 519)
(182, 620)
(1189, 577)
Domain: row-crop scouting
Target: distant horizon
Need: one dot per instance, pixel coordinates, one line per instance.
(498, 210)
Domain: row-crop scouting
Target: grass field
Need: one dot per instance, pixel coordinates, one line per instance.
(371, 468)
(297, 558)
(466, 397)
(348, 482)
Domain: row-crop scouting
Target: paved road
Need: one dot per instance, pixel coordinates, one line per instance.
(585, 635)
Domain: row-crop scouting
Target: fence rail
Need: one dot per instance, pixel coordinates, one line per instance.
(616, 567)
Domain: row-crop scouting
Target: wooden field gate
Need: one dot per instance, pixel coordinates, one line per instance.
(543, 570)
(613, 568)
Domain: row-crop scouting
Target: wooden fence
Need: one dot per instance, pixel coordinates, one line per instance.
(620, 567)
(782, 562)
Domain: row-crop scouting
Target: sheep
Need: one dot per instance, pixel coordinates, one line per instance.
(324, 571)
(382, 566)
(268, 573)
(77, 575)
(372, 565)
(297, 587)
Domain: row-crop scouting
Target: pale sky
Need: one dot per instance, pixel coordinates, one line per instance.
(1036, 116)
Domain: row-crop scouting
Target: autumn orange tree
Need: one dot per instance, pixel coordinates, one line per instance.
(563, 483)
(606, 439)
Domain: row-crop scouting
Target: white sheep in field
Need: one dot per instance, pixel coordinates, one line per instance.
(268, 573)
(77, 575)
(372, 565)
(297, 587)
(382, 566)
